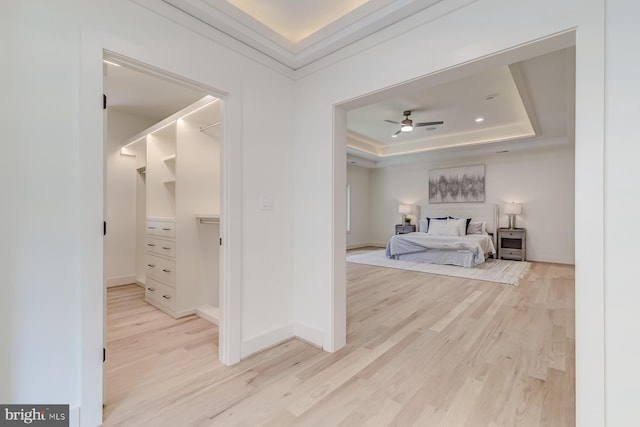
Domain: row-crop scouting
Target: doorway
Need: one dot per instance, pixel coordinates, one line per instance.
(163, 144)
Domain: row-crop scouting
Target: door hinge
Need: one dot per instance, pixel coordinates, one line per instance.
(104, 228)
(221, 241)
(104, 354)
(104, 101)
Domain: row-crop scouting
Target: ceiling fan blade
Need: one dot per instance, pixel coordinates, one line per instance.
(391, 121)
(397, 132)
(428, 124)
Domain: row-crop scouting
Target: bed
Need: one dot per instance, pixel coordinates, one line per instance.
(456, 234)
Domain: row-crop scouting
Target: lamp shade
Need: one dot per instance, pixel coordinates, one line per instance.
(404, 209)
(513, 208)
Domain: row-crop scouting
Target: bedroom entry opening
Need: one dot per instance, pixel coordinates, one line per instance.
(379, 184)
(164, 138)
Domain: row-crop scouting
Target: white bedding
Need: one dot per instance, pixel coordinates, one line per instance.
(466, 251)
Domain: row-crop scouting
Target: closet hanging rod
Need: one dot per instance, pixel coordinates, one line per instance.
(209, 126)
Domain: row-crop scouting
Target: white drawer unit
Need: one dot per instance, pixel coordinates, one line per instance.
(160, 294)
(161, 269)
(161, 247)
(160, 228)
(160, 265)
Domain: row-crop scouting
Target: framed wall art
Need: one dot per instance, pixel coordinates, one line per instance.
(461, 184)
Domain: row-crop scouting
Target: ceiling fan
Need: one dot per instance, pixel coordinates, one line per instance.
(407, 124)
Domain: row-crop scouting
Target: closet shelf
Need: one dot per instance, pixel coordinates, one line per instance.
(170, 181)
(142, 169)
(208, 218)
(171, 158)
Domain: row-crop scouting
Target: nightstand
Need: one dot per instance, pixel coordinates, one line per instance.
(512, 243)
(404, 229)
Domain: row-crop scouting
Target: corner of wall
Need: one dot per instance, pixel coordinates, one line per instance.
(311, 335)
(270, 339)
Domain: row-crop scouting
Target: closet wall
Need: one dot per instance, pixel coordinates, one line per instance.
(178, 204)
(120, 196)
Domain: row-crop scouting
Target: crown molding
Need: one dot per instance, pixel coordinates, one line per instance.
(366, 26)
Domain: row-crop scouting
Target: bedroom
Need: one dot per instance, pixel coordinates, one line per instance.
(541, 179)
(536, 171)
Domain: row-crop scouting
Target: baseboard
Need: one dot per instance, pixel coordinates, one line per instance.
(120, 280)
(554, 260)
(184, 313)
(209, 313)
(265, 341)
(366, 245)
(309, 334)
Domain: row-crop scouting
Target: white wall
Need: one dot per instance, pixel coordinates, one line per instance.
(120, 198)
(464, 44)
(358, 179)
(40, 274)
(622, 200)
(543, 180)
(52, 321)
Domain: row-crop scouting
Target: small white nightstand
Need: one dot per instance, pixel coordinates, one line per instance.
(512, 243)
(404, 229)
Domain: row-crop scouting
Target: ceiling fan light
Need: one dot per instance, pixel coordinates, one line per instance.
(407, 123)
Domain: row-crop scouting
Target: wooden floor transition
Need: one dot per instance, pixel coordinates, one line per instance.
(423, 350)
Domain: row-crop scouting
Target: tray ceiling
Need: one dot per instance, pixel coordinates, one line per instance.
(299, 32)
(526, 104)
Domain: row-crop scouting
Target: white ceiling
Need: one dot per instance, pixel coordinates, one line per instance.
(524, 105)
(144, 94)
(528, 100)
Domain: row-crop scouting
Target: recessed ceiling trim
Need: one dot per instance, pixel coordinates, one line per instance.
(521, 86)
(355, 26)
(363, 21)
(205, 30)
(226, 15)
(363, 144)
(300, 20)
(509, 132)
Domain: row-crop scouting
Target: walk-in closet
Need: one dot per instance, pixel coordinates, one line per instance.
(178, 210)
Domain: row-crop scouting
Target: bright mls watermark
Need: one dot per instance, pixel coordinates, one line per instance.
(34, 415)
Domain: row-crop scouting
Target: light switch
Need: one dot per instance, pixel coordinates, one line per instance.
(266, 202)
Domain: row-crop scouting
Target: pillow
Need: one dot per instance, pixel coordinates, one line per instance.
(477, 227)
(423, 226)
(466, 225)
(437, 226)
(429, 219)
(457, 226)
(447, 227)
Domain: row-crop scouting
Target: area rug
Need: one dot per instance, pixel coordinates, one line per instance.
(493, 270)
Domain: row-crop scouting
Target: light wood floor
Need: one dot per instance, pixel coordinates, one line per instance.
(422, 350)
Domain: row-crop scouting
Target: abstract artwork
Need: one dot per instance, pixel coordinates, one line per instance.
(453, 185)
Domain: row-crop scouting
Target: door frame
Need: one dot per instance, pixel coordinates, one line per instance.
(90, 192)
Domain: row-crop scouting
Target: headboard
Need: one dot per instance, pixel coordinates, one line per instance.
(487, 212)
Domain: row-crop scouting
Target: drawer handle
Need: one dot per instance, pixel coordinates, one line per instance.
(166, 297)
(166, 270)
(166, 229)
(150, 244)
(164, 247)
(151, 228)
(151, 265)
(151, 289)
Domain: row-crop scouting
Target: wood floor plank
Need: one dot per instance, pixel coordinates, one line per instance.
(422, 350)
